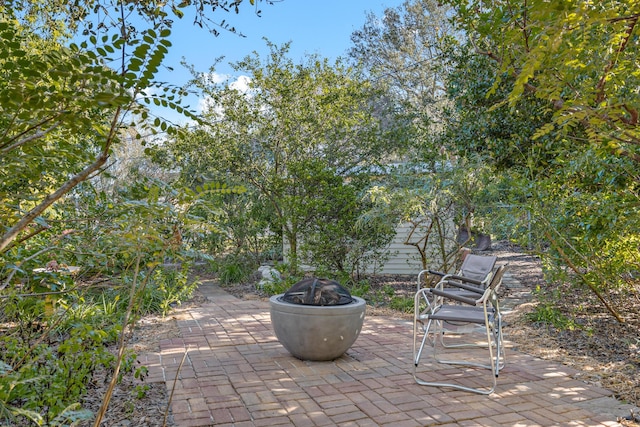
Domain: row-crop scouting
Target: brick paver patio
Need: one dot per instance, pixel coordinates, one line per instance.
(234, 372)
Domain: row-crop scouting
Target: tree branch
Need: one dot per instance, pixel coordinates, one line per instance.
(633, 113)
(4, 147)
(83, 175)
(601, 84)
(582, 277)
(28, 236)
(28, 139)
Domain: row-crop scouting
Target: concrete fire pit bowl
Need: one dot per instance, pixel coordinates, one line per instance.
(317, 333)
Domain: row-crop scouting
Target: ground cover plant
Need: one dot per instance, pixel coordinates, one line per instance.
(51, 358)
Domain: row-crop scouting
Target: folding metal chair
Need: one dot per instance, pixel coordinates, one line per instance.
(458, 314)
(471, 279)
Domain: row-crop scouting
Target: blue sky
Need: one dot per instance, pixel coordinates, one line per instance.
(312, 26)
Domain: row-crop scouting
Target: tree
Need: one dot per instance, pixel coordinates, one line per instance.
(74, 78)
(579, 57)
(64, 104)
(56, 103)
(294, 127)
(567, 73)
(413, 51)
(405, 50)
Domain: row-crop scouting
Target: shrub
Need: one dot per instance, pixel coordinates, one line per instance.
(235, 269)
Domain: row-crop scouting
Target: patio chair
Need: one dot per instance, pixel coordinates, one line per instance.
(456, 315)
(471, 279)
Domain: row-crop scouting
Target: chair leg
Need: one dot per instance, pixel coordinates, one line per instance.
(495, 350)
(419, 325)
(417, 350)
(458, 386)
(497, 340)
(501, 356)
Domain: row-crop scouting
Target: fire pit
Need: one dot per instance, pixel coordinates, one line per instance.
(317, 319)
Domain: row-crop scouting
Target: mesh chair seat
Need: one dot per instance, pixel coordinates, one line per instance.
(460, 313)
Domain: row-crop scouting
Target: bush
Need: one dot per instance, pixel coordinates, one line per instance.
(47, 362)
(44, 382)
(235, 269)
(546, 312)
(167, 288)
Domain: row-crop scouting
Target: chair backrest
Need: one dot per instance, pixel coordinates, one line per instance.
(494, 286)
(496, 280)
(477, 267)
(490, 293)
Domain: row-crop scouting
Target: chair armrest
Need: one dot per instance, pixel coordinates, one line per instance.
(470, 288)
(454, 296)
(466, 279)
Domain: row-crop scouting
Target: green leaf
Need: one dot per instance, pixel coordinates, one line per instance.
(177, 12)
(4, 368)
